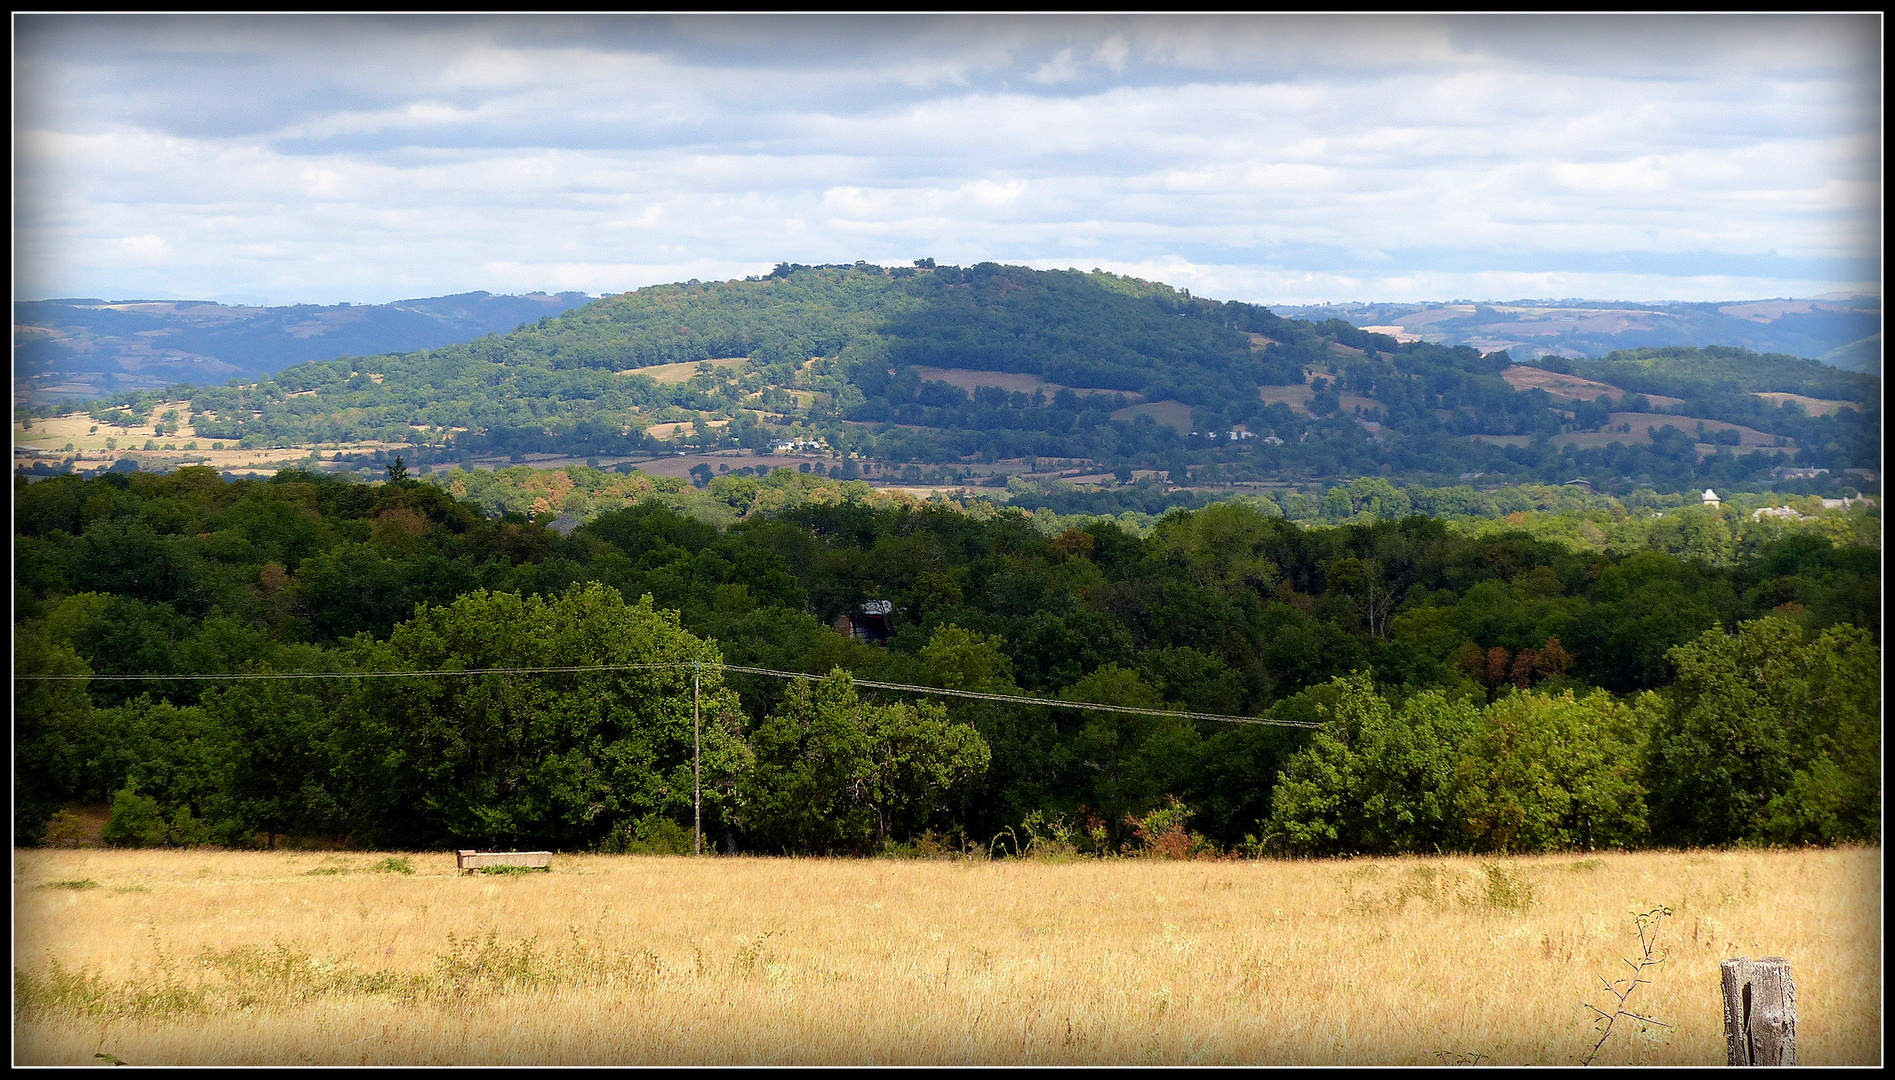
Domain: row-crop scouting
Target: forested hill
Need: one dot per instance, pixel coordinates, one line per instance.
(958, 365)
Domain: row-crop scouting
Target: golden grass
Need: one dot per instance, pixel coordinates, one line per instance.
(269, 957)
(1811, 405)
(52, 433)
(1571, 387)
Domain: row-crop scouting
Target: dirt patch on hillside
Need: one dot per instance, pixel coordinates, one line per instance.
(1571, 387)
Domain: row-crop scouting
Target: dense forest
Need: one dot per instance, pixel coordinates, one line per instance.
(854, 356)
(1412, 686)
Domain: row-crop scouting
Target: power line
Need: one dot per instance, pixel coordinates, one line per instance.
(1005, 699)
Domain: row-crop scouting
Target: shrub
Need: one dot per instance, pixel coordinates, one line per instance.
(653, 834)
(136, 820)
(1161, 833)
(65, 829)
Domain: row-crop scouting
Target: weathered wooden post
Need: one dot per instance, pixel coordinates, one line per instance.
(1759, 1011)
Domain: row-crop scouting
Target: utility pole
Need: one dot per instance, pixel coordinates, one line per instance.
(697, 750)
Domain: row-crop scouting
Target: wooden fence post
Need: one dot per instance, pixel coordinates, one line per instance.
(1759, 1011)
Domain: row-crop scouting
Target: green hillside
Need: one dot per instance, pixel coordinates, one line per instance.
(965, 367)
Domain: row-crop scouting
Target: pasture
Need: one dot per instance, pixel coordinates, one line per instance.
(1012, 382)
(677, 374)
(212, 957)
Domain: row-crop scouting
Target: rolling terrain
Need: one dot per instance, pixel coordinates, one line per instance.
(982, 368)
(1841, 329)
(95, 348)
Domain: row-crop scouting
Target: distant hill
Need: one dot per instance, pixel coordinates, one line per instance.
(992, 369)
(1841, 330)
(94, 348)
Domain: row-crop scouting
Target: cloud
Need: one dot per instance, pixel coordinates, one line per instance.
(364, 158)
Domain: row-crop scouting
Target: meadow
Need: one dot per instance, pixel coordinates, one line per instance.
(227, 957)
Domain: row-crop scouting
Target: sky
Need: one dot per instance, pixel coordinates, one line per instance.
(1278, 160)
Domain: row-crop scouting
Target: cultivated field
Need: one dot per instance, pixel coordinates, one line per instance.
(232, 957)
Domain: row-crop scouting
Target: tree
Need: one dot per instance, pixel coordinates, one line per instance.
(833, 774)
(52, 730)
(1376, 778)
(1544, 772)
(523, 759)
(1220, 547)
(1771, 737)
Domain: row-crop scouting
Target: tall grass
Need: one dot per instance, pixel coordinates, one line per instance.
(248, 957)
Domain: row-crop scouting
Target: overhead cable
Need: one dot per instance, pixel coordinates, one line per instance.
(1005, 699)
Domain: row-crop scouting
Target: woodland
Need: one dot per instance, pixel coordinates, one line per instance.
(1379, 680)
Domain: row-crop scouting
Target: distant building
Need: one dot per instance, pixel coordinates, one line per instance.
(564, 524)
(1709, 498)
(1272, 440)
(1578, 483)
(1775, 512)
(870, 622)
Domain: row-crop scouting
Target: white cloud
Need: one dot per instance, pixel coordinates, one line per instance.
(1308, 155)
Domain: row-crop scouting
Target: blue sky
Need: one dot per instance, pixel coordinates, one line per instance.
(1277, 160)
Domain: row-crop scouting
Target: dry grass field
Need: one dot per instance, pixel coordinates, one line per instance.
(675, 374)
(53, 434)
(1811, 405)
(184, 957)
(970, 380)
(1572, 387)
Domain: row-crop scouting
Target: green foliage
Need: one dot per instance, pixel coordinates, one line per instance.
(1376, 778)
(53, 730)
(848, 354)
(835, 774)
(653, 834)
(136, 820)
(1223, 609)
(1771, 736)
(1161, 833)
(1552, 773)
(551, 761)
(1530, 772)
